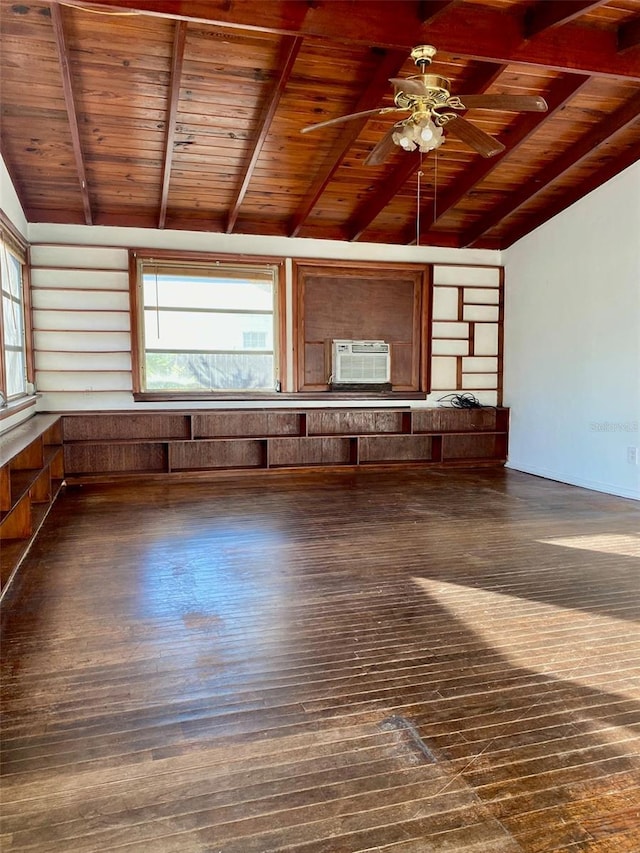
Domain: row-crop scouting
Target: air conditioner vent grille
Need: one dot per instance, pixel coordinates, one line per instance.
(361, 362)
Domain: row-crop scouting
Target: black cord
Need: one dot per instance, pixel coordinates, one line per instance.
(461, 401)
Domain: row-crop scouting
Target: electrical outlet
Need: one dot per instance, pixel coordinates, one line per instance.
(632, 455)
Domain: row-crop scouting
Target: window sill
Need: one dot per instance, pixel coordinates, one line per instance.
(273, 396)
(15, 406)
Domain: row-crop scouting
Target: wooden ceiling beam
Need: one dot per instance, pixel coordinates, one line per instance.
(465, 29)
(429, 10)
(608, 171)
(562, 90)
(372, 207)
(583, 148)
(290, 48)
(389, 66)
(177, 59)
(67, 86)
(545, 15)
(629, 35)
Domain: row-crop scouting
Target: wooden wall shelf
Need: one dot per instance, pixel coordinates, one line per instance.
(100, 447)
(31, 474)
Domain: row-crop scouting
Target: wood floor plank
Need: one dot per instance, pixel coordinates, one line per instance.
(369, 662)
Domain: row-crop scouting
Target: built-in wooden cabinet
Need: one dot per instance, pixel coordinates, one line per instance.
(104, 446)
(31, 474)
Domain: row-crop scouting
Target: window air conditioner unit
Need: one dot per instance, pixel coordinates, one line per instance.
(361, 362)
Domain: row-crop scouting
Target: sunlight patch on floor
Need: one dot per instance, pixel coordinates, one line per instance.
(607, 543)
(559, 642)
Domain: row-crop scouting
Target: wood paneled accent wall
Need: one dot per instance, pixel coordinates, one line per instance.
(337, 301)
(82, 325)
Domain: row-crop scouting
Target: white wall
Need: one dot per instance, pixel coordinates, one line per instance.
(202, 241)
(572, 342)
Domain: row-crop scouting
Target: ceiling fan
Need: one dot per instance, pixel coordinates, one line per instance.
(430, 104)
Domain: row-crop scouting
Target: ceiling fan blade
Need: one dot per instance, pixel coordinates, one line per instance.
(409, 85)
(350, 117)
(482, 142)
(380, 152)
(518, 103)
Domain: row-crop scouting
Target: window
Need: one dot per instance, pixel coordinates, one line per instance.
(206, 325)
(14, 369)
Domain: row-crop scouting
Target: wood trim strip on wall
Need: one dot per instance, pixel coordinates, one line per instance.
(134, 308)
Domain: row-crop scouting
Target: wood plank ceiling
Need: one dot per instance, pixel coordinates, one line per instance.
(187, 115)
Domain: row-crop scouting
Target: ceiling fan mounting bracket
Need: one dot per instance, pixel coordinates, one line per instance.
(423, 55)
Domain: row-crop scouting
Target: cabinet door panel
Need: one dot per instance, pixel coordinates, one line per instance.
(290, 452)
(458, 447)
(396, 448)
(115, 458)
(353, 423)
(250, 423)
(203, 455)
(453, 420)
(107, 427)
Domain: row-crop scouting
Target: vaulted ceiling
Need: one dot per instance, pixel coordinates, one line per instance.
(187, 115)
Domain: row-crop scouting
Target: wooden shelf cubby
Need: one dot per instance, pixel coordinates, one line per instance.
(106, 446)
(31, 474)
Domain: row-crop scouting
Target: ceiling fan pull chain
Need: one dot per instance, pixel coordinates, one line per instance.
(435, 187)
(420, 174)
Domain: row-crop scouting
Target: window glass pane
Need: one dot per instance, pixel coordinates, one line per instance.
(186, 330)
(16, 371)
(12, 318)
(208, 329)
(11, 274)
(208, 372)
(203, 293)
(13, 324)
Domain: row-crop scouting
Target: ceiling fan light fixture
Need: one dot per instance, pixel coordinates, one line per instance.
(423, 135)
(404, 141)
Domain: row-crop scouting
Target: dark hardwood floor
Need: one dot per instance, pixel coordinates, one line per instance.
(403, 662)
